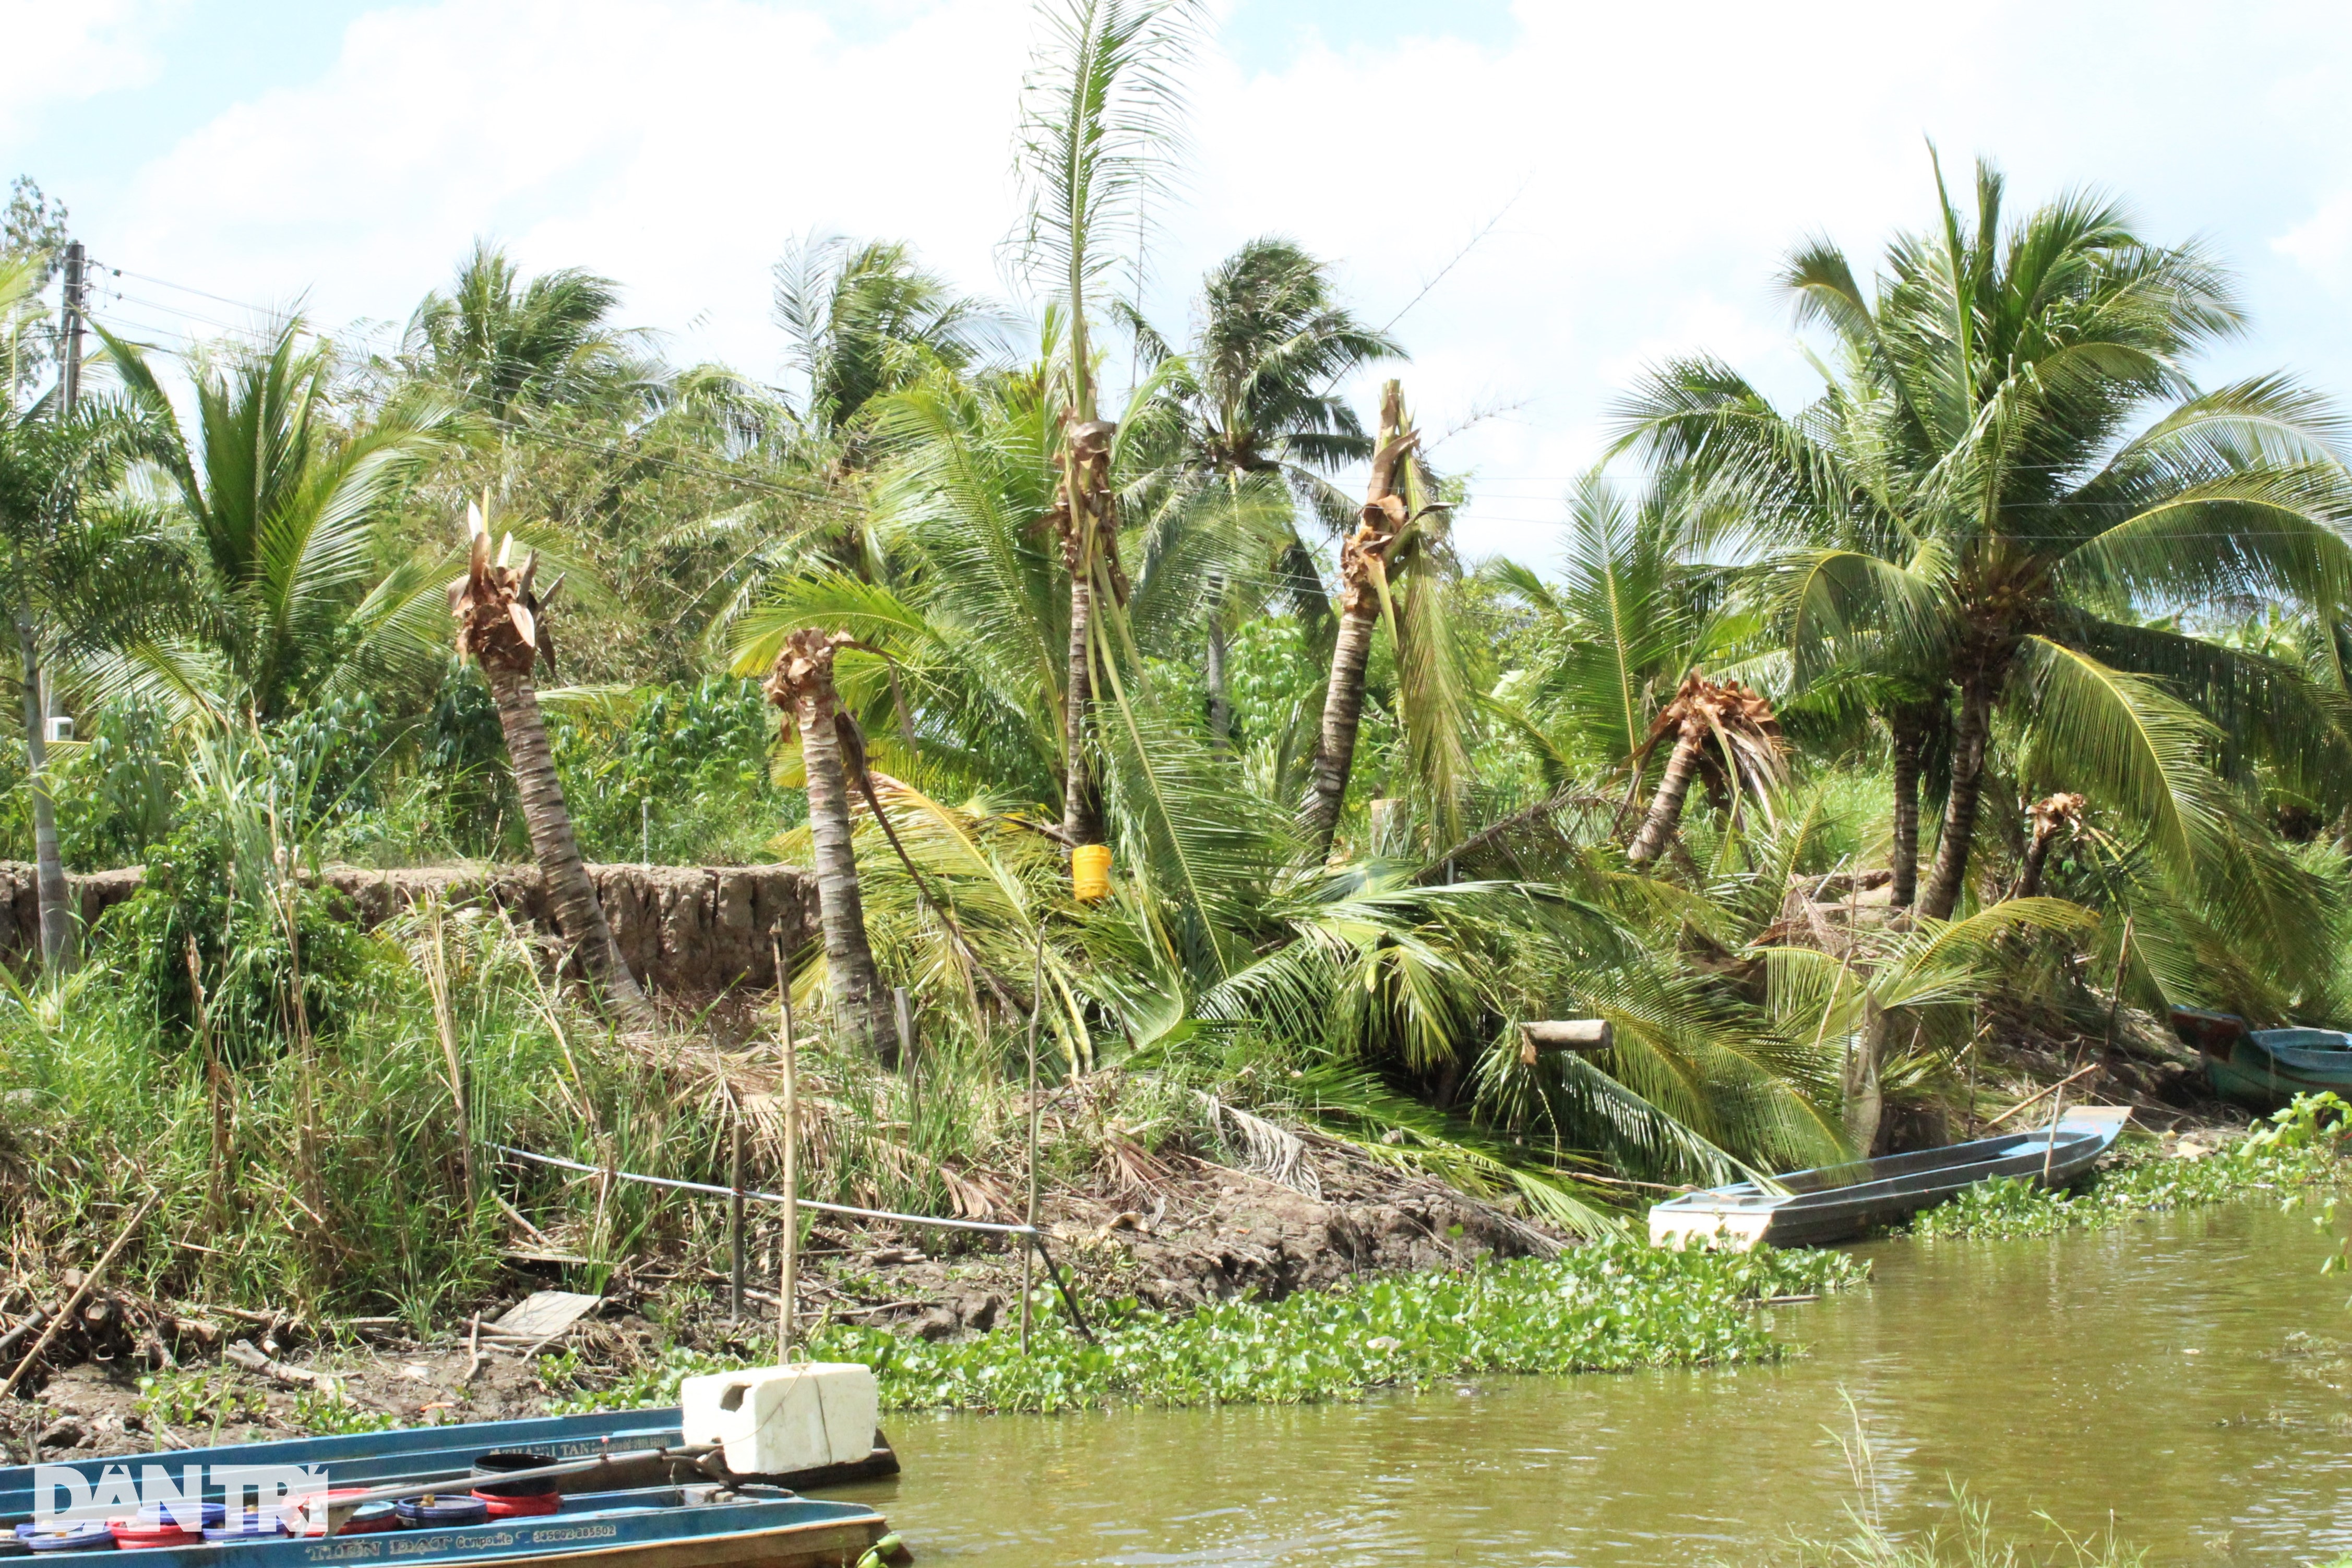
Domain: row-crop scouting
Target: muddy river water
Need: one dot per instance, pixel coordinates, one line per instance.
(2130, 1374)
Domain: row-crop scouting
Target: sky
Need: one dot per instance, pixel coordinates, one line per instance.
(1544, 197)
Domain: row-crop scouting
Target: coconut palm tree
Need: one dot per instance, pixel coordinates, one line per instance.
(1098, 125)
(865, 319)
(1363, 560)
(1253, 397)
(2050, 816)
(2008, 474)
(802, 687)
(293, 599)
(1629, 614)
(507, 347)
(1396, 568)
(502, 627)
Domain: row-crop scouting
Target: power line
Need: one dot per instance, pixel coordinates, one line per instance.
(200, 293)
(481, 405)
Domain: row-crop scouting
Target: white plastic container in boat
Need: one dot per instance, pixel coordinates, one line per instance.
(776, 1420)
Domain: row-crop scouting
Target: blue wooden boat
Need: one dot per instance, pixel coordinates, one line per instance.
(635, 1501)
(1834, 1203)
(2265, 1068)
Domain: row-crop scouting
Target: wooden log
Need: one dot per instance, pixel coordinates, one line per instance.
(246, 1355)
(1562, 1034)
(2043, 1093)
(73, 1302)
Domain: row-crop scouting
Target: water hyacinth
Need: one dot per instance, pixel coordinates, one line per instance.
(2301, 1146)
(1614, 1306)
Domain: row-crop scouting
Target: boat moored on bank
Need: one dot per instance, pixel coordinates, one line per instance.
(1835, 1203)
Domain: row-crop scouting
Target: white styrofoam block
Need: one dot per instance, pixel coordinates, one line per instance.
(775, 1420)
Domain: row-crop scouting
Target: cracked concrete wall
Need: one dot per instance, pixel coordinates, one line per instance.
(690, 930)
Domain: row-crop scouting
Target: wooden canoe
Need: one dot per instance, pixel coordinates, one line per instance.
(653, 1528)
(374, 1458)
(1835, 1203)
(2265, 1068)
(619, 1524)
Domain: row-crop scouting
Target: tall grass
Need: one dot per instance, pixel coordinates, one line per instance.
(104, 1102)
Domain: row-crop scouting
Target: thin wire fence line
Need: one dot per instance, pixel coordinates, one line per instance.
(771, 1196)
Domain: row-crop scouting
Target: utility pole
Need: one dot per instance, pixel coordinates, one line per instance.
(69, 368)
(57, 919)
(73, 302)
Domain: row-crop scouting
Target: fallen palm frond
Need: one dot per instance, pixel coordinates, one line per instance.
(1266, 1150)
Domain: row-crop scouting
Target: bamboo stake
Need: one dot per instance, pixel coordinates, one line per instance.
(73, 1302)
(2050, 1145)
(735, 1216)
(734, 1183)
(2036, 1097)
(444, 1021)
(902, 1017)
(1037, 1012)
(2123, 963)
(215, 1088)
(789, 1248)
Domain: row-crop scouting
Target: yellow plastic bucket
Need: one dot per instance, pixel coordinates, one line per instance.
(1091, 872)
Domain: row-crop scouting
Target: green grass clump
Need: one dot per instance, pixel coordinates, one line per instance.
(2300, 1148)
(1970, 1540)
(1613, 1306)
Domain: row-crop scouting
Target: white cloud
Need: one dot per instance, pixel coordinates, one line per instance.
(1655, 163)
(2323, 243)
(674, 146)
(63, 52)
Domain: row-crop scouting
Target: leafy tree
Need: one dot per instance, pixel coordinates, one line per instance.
(32, 230)
(291, 595)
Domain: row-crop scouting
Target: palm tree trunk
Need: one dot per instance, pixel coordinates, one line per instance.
(1666, 805)
(2050, 816)
(1221, 712)
(1950, 873)
(1362, 559)
(571, 897)
(2029, 875)
(861, 1007)
(1906, 810)
(57, 919)
(1081, 796)
(1864, 1104)
(1343, 713)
